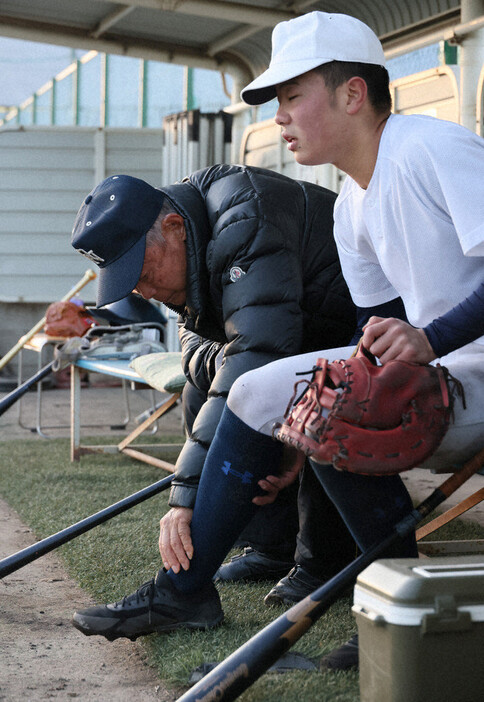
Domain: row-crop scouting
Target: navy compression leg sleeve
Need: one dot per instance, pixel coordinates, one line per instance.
(370, 505)
(237, 459)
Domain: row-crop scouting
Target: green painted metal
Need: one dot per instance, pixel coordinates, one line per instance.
(190, 102)
(448, 54)
(76, 91)
(104, 91)
(143, 99)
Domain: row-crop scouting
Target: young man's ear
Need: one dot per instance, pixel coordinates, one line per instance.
(174, 223)
(356, 94)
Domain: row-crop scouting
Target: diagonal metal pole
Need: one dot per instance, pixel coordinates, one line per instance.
(31, 553)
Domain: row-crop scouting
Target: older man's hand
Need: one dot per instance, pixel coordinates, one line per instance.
(175, 541)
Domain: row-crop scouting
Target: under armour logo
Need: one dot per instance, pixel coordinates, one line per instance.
(246, 477)
(91, 256)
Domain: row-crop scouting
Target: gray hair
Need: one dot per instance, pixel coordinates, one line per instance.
(153, 235)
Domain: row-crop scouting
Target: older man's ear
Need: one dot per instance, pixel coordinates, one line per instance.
(174, 224)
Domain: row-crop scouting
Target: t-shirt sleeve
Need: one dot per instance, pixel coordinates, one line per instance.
(367, 283)
(458, 168)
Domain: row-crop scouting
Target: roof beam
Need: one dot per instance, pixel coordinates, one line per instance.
(110, 20)
(454, 35)
(247, 30)
(138, 48)
(229, 11)
(428, 28)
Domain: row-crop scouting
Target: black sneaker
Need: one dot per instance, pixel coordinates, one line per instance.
(343, 658)
(294, 587)
(156, 606)
(253, 566)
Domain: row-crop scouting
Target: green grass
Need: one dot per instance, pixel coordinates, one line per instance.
(49, 492)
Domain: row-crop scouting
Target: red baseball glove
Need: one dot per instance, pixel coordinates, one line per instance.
(66, 319)
(370, 419)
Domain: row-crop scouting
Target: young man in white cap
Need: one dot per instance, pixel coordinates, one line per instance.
(409, 225)
(247, 259)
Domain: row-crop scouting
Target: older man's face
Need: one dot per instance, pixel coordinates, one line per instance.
(163, 276)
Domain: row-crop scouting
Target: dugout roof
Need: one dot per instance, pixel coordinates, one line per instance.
(229, 35)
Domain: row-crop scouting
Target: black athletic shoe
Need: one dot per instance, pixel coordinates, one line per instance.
(156, 606)
(294, 587)
(251, 565)
(343, 658)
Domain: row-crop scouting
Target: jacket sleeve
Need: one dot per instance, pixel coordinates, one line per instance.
(201, 358)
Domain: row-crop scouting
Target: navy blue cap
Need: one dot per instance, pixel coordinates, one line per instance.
(110, 230)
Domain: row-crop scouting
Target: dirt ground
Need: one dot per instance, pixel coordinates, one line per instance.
(42, 656)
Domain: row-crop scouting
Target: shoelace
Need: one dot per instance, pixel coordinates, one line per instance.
(145, 589)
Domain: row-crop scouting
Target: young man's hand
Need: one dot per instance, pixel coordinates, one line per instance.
(391, 339)
(292, 463)
(175, 541)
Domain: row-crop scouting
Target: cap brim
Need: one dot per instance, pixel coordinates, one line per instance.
(119, 279)
(263, 88)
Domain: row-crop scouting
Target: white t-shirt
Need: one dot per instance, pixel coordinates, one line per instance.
(418, 230)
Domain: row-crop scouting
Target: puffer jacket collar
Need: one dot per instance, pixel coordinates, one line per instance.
(198, 315)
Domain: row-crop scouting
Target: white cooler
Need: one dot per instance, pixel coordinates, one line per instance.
(421, 630)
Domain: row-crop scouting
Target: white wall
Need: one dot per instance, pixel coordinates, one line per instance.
(46, 173)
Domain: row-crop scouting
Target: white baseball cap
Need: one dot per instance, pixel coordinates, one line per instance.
(308, 41)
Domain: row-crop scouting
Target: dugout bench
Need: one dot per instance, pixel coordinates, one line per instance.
(165, 375)
(454, 548)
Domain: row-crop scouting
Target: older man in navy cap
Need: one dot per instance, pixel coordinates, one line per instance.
(246, 258)
(111, 230)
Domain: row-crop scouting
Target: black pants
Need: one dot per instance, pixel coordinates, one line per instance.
(289, 528)
(323, 552)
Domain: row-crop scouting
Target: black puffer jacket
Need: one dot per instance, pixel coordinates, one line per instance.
(263, 282)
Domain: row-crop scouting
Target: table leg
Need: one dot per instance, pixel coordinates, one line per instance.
(75, 412)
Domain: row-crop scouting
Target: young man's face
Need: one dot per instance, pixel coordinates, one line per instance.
(163, 276)
(311, 118)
